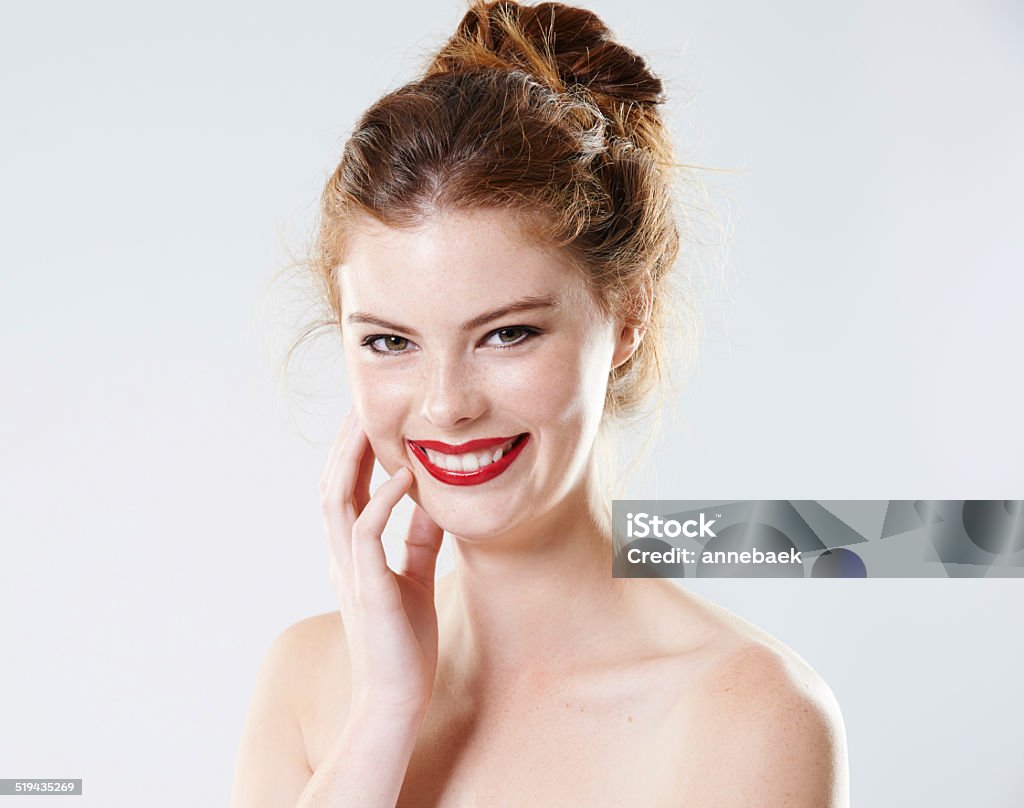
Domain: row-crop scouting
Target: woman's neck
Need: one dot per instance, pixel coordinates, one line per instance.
(523, 606)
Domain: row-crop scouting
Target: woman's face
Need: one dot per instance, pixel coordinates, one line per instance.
(461, 331)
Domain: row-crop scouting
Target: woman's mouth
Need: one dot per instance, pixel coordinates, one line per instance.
(468, 463)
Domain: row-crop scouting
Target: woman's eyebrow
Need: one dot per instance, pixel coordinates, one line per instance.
(528, 303)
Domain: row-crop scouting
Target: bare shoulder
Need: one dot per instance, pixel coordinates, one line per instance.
(757, 683)
(315, 634)
(763, 727)
(317, 648)
(310, 646)
(319, 680)
(272, 765)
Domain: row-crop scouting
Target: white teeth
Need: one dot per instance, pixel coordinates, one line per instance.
(471, 461)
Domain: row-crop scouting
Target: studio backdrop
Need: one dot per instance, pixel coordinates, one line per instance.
(160, 166)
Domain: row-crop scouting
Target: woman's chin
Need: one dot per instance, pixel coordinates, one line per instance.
(474, 528)
(475, 531)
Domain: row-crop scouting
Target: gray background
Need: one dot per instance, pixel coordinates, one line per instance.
(160, 518)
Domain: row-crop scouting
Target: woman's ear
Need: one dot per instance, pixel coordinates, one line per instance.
(633, 326)
(626, 343)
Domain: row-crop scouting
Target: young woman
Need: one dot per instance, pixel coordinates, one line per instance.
(494, 248)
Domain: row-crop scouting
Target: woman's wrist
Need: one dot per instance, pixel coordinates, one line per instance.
(389, 723)
(366, 765)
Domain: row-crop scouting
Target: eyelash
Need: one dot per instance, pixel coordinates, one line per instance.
(530, 333)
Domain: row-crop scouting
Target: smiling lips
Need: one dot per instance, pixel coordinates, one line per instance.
(470, 463)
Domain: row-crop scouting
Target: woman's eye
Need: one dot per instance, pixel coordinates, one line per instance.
(389, 343)
(392, 344)
(513, 335)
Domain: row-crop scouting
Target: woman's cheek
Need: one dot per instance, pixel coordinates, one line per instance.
(379, 405)
(546, 389)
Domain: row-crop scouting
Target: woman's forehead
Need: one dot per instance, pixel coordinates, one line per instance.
(484, 255)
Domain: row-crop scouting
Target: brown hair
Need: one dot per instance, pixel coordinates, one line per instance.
(536, 110)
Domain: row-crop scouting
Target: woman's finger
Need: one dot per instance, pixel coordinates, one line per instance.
(336, 447)
(361, 489)
(368, 559)
(346, 466)
(338, 510)
(422, 544)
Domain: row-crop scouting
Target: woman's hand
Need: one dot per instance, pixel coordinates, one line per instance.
(389, 618)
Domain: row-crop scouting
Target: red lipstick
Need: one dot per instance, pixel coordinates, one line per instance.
(488, 472)
(462, 448)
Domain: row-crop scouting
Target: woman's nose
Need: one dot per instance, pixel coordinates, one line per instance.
(452, 395)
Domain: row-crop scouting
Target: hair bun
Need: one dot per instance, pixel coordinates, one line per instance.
(559, 45)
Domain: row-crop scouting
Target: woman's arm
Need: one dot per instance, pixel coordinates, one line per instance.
(365, 766)
(390, 635)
